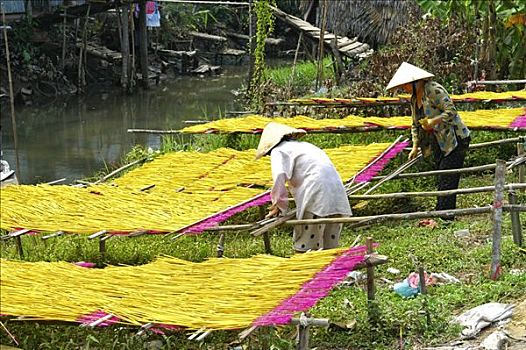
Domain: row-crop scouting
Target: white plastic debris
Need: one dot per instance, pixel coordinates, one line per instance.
(446, 278)
(482, 316)
(356, 275)
(393, 271)
(495, 341)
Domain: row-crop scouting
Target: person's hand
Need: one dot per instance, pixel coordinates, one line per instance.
(413, 153)
(273, 212)
(426, 124)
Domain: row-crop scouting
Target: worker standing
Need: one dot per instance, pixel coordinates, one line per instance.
(313, 181)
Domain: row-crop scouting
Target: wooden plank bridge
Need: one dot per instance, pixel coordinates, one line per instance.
(346, 46)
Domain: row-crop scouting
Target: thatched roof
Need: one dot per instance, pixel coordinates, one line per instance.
(372, 21)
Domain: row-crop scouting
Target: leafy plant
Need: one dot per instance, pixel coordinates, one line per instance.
(502, 34)
(264, 26)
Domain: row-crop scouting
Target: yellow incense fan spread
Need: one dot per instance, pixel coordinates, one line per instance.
(479, 96)
(481, 119)
(217, 294)
(189, 186)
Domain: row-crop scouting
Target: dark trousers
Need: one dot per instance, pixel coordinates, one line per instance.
(453, 160)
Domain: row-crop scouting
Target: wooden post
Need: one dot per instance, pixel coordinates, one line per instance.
(302, 340)
(521, 169)
(370, 272)
(221, 246)
(143, 43)
(102, 245)
(19, 248)
(423, 291)
(515, 220)
(500, 175)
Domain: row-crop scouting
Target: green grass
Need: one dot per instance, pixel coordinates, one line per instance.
(304, 78)
(397, 319)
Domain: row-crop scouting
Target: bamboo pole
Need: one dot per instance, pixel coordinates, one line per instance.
(122, 168)
(398, 216)
(442, 172)
(402, 168)
(500, 176)
(515, 220)
(509, 187)
(494, 143)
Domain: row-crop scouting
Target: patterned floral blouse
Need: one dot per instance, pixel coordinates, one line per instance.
(436, 102)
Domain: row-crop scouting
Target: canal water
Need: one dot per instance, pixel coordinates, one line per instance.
(75, 138)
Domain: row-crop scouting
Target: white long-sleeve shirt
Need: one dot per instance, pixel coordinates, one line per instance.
(313, 180)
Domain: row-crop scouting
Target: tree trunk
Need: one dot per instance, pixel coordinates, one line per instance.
(29, 10)
(251, 42)
(492, 37)
(143, 43)
(125, 47)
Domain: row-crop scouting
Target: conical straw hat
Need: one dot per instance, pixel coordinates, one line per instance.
(407, 73)
(272, 134)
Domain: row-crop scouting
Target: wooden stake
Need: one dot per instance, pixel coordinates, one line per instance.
(370, 272)
(500, 175)
(423, 291)
(302, 340)
(521, 169)
(102, 247)
(266, 237)
(221, 246)
(19, 248)
(515, 220)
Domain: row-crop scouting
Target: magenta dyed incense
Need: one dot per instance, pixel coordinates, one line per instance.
(215, 219)
(97, 315)
(315, 289)
(519, 122)
(379, 164)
